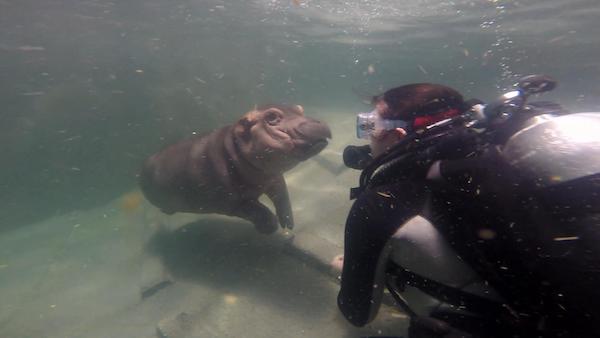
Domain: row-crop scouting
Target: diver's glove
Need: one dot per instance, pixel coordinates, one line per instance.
(357, 157)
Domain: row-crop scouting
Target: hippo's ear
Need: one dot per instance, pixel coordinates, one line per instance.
(242, 127)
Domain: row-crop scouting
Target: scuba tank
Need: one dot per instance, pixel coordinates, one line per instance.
(541, 200)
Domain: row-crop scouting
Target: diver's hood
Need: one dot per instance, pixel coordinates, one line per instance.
(551, 150)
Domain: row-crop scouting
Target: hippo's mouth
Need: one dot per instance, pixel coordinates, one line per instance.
(309, 138)
(304, 150)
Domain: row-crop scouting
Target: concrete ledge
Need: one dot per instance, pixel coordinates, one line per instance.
(315, 251)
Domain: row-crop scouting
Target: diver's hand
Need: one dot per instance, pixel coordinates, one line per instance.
(357, 157)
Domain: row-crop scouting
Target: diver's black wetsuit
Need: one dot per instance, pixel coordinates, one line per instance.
(398, 192)
(481, 193)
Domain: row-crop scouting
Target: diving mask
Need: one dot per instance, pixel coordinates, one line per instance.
(367, 123)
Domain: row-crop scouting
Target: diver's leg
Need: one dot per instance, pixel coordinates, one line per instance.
(373, 219)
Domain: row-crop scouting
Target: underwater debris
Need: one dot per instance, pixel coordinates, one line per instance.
(557, 39)
(486, 234)
(179, 325)
(384, 194)
(131, 201)
(569, 238)
(25, 48)
(153, 289)
(230, 299)
(422, 69)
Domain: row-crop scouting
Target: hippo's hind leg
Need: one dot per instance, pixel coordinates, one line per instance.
(263, 219)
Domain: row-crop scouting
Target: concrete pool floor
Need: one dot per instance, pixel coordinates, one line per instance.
(126, 270)
(83, 274)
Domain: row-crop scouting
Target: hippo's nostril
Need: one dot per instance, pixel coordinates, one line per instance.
(313, 130)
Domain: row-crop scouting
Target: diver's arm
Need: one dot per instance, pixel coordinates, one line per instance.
(461, 171)
(450, 170)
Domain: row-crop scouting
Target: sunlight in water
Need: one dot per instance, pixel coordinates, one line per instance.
(577, 132)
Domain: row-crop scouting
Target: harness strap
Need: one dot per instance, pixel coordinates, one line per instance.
(450, 295)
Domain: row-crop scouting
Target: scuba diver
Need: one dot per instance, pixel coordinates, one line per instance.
(491, 210)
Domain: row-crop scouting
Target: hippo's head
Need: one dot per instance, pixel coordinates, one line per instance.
(275, 138)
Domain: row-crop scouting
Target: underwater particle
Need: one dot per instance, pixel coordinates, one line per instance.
(2, 266)
(557, 39)
(556, 178)
(370, 69)
(486, 57)
(568, 238)
(384, 194)
(131, 201)
(139, 71)
(422, 69)
(466, 52)
(28, 48)
(230, 299)
(53, 306)
(486, 234)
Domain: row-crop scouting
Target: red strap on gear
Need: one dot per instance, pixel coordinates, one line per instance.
(424, 121)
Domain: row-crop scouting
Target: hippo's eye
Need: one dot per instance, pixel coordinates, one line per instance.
(273, 118)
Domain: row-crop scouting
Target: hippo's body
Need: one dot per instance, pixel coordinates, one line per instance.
(227, 170)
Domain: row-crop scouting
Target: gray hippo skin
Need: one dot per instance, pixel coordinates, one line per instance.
(227, 170)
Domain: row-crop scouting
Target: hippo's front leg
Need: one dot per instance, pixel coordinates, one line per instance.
(263, 219)
(278, 193)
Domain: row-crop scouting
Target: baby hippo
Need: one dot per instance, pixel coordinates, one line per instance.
(227, 170)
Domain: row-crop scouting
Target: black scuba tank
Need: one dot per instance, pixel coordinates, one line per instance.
(546, 215)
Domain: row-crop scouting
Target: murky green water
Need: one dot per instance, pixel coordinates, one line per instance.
(88, 89)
